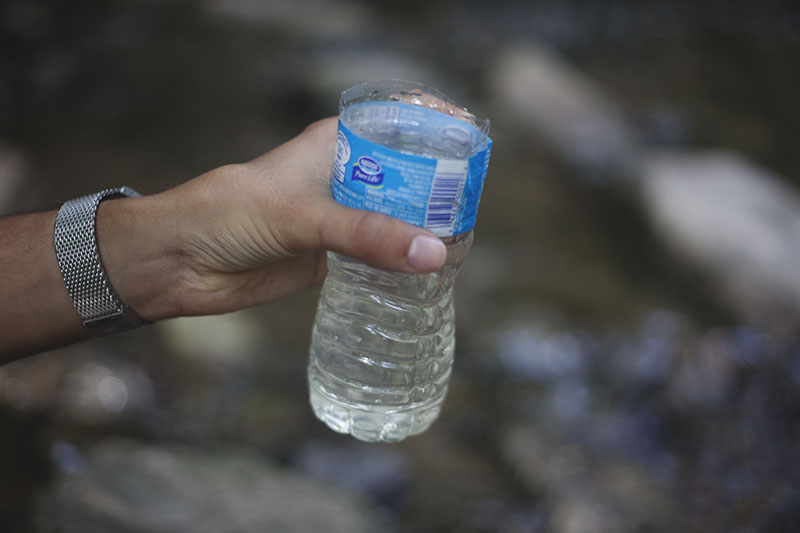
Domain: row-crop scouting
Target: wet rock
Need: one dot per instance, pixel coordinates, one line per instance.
(581, 514)
(365, 469)
(737, 222)
(569, 401)
(583, 493)
(543, 95)
(132, 487)
(531, 352)
(452, 482)
(644, 356)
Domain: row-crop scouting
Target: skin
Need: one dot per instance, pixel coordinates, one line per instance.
(237, 236)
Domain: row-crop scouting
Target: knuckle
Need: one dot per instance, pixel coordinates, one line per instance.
(369, 234)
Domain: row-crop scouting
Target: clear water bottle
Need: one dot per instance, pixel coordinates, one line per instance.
(383, 342)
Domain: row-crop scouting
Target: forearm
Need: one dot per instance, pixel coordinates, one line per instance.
(151, 249)
(36, 312)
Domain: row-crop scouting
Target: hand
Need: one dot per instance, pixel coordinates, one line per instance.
(234, 237)
(250, 233)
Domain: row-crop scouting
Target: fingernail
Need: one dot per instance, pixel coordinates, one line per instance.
(426, 253)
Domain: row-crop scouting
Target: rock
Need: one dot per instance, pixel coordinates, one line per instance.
(312, 18)
(645, 355)
(528, 351)
(333, 70)
(538, 92)
(737, 222)
(84, 384)
(704, 376)
(132, 487)
(360, 467)
(582, 514)
(585, 493)
(344, 44)
(96, 391)
(233, 338)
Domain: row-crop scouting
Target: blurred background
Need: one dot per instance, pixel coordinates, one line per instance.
(627, 353)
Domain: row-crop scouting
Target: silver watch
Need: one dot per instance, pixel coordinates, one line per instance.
(75, 238)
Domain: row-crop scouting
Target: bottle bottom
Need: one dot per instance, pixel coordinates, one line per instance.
(374, 423)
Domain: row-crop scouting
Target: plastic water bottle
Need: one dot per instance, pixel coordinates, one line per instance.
(383, 342)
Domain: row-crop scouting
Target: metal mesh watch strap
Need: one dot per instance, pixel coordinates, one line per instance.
(75, 238)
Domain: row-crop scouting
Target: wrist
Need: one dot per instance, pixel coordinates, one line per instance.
(136, 241)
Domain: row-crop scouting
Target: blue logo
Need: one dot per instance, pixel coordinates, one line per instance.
(368, 170)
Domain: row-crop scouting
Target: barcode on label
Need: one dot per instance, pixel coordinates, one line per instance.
(446, 190)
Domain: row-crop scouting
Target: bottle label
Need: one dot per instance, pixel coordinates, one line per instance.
(441, 195)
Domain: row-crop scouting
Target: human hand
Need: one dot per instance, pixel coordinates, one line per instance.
(249, 233)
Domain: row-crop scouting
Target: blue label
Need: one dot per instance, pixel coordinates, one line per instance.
(441, 195)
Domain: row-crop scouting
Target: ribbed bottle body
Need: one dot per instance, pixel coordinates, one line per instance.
(382, 346)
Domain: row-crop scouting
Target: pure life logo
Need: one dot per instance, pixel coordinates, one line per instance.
(368, 170)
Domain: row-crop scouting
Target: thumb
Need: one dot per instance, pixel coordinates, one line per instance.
(380, 241)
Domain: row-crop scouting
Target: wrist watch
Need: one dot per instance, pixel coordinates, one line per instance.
(75, 238)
